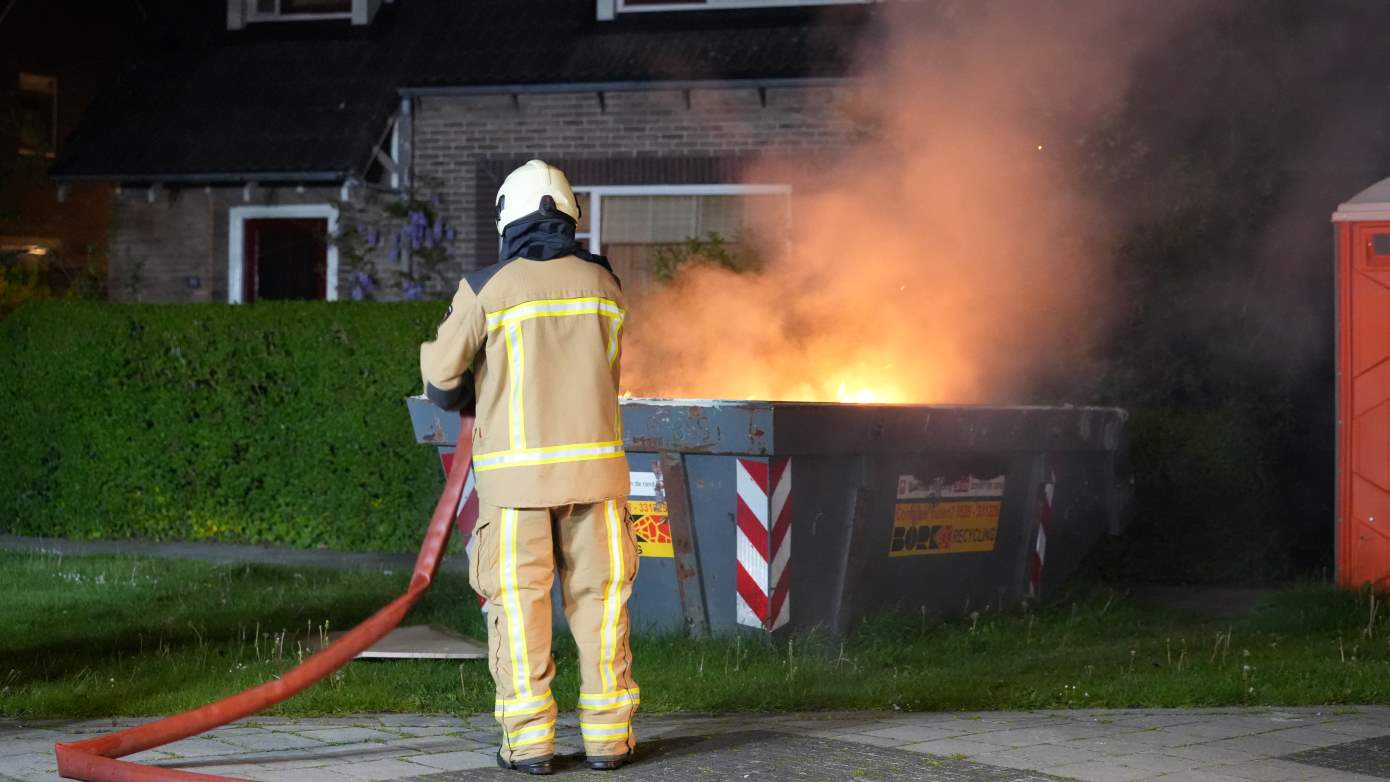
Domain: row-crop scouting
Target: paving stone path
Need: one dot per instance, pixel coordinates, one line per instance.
(1330, 744)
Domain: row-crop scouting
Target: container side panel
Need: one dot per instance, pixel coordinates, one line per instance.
(946, 535)
(724, 427)
(1343, 466)
(1370, 433)
(1370, 310)
(1370, 534)
(1079, 500)
(713, 497)
(1365, 528)
(851, 429)
(822, 508)
(1371, 552)
(655, 603)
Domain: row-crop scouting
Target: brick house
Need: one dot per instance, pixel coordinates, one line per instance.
(230, 167)
(55, 55)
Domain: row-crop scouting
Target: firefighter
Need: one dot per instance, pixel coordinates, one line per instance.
(536, 340)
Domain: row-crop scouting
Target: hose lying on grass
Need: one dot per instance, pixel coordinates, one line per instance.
(94, 759)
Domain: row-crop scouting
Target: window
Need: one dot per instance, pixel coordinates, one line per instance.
(315, 6)
(607, 8)
(243, 12)
(38, 115)
(282, 252)
(295, 10)
(1378, 256)
(643, 228)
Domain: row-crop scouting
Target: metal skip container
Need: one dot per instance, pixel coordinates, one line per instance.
(797, 515)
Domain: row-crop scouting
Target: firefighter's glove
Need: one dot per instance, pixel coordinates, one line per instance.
(459, 399)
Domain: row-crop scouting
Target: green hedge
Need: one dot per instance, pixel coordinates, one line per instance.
(270, 423)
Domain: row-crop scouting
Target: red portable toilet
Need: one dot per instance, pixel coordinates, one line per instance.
(1363, 388)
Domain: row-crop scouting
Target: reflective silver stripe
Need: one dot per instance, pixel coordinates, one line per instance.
(523, 706)
(511, 604)
(627, 697)
(600, 731)
(532, 731)
(612, 604)
(545, 739)
(516, 458)
(516, 357)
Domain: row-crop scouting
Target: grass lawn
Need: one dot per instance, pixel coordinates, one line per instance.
(99, 636)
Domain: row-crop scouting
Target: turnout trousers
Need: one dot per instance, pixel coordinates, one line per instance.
(518, 553)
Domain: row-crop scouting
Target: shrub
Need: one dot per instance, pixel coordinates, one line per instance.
(270, 423)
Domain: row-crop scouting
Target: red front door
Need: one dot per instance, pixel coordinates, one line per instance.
(285, 258)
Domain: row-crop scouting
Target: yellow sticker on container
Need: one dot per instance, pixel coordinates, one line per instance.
(944, 527)
(649, 521)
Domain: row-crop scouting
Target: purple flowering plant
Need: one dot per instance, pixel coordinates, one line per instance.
(393, 245)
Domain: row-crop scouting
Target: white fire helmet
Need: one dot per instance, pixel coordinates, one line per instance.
(524, 189)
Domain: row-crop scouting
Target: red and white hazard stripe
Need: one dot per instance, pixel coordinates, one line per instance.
(1035, 564)
(764, 544)
(779, 570)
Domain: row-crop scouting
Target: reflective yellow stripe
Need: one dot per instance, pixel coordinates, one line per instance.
(614, 350)
(608, 632)
(516, 359)
(521, 707)
(553, 308)
(511, 319)
(603, 731)
(509, 711)
(527, 457)
(526, 701)
(511, 605)
(546, 739)
(615, 329)
(532, 734)
(552, 460)
(551, 449)
(610, 700)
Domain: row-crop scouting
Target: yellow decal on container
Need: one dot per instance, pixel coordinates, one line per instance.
(944, 527)
(653, 529)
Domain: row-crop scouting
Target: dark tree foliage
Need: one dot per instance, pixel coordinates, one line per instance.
(1236, 142)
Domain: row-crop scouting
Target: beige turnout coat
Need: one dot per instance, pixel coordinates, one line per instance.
(543, 340)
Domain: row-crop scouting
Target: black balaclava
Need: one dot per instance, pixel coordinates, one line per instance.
(544, 235)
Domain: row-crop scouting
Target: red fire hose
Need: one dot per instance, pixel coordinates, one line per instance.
(95, 759)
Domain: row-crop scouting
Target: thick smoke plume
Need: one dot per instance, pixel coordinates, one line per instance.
(951, 255)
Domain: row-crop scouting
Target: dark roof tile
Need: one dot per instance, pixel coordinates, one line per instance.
(305, 99)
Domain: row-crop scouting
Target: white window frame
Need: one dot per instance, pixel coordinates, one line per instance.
(607, 8)
(252, 15)
(236, 242)
(592, 200)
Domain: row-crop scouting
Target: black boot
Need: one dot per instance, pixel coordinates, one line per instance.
(608, 762)
(535, 766)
